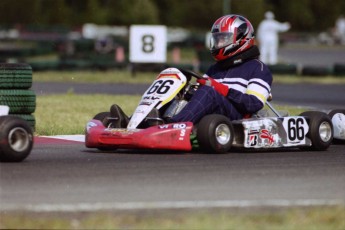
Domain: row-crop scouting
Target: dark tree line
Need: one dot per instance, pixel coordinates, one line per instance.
(304, 15)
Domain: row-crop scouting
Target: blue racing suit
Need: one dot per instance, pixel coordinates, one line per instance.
(249, 87)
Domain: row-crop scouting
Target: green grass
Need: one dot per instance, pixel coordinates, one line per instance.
(69, 113)
(312, 218)
(64, 114)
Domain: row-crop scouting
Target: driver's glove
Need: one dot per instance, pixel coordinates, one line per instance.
(219, 87)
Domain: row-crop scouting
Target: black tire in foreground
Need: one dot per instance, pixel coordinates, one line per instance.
(29, 118)
(15, 76)
(215, 133)
(320, 130)
(16, 139)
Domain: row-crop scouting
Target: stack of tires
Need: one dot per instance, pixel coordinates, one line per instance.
(15, 92)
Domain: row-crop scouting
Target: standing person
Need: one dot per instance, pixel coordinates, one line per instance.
(340, 29)
(238, 84)
(268, 38)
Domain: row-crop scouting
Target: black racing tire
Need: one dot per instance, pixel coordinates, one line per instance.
(15, 76)
(16, 138)
(215, 134)
(335, 111)
(102, 116)
(19, 101)
(320, 130)
(29, 118)
(189, 73)
(331, 115)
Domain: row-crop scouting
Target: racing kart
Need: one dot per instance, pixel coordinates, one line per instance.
(16, 137)
(147, 128)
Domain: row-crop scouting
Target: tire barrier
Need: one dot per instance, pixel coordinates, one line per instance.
(339, 69)
(15, 76)
(19, 101)
(316, 71)
(15, 92)
(283, 69)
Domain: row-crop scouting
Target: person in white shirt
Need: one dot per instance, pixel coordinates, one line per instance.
(340, 29)
(268, 39)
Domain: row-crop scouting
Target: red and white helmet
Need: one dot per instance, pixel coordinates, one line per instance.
(230, 35)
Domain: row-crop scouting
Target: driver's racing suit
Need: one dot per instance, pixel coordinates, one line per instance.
(249, 81)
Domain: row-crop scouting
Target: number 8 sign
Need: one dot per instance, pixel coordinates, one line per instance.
(148, 44)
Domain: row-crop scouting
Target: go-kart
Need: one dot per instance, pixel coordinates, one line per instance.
(16, 137)
(147, 128)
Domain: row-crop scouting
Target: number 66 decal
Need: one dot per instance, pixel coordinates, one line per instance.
(296, 129)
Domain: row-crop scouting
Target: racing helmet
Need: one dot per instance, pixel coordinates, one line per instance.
(230, 35)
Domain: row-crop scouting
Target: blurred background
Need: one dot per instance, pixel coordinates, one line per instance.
(94, 34)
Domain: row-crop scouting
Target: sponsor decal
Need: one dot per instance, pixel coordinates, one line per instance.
(163, 126)
(253, 140)
(265, 134)
(148, 103)
(179, 126)
(90, 124)
(169, 74)
(253, 137)
(113, 131)
(150, 98)
(182, 134)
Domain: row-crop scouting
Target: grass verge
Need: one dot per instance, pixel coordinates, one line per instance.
(316, 218)
(69, 113)
(64, 114)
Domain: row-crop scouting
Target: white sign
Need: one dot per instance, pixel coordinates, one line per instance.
(148, 44)
(4, 109)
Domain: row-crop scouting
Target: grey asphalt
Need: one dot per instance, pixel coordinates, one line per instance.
(58, 176)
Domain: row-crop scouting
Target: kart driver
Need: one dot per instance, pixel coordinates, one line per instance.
(238, 84)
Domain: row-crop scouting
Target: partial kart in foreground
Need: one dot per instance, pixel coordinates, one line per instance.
(16, 137)
(338, 121)
(147, 128)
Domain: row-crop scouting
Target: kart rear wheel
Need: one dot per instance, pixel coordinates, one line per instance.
(337, 117)
(215, 133)
(16, 139)
(320, 130)
(103, 117)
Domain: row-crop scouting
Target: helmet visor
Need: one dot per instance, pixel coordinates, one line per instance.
(220, 40)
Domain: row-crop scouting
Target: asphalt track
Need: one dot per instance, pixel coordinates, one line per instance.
(63, 175)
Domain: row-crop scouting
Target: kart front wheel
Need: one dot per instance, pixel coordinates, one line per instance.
(16, 139)
(320, 129)
(215, 133)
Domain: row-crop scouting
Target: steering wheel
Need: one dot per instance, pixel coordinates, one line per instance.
(188, 72)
